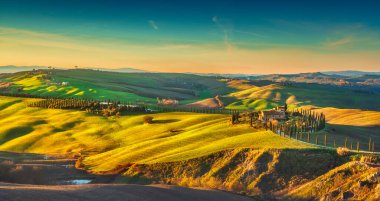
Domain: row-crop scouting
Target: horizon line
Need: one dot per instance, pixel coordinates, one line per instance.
(199, 73)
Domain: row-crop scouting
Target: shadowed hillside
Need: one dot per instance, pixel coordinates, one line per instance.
(254, 172)
(351, 181)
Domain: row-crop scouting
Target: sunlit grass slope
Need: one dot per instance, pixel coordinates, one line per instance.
(272, 95)
(357, 125)
(93, 84)
(38, 85)
(109, 142)
(351, 117)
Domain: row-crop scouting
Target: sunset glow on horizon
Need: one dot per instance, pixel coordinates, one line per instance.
(192, 36)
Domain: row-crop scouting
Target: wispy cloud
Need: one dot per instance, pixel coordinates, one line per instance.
(37, 39)
(250, 33)
(153, 24)
(227, 27)
(226, 32)
(340, 42)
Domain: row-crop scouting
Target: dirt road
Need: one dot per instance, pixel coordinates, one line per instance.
(111, 192)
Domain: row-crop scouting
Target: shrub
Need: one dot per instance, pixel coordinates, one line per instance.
(370, 159)
(78, 163)
(341, 151)
(148, 119)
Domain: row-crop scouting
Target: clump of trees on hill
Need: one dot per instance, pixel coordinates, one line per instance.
(235, 117)
(148, 119)
(300, 121)
(104, 108)
(244, 117)
(304, 120)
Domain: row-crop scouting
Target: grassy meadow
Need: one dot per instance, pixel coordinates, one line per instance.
(357, 125)
(301, 94)
(107, 143)
(184, 148)
(133, 87)
(146, 87)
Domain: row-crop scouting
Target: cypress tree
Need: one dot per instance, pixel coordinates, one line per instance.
(345, 143)
(373, 146)
(369, 144)
(334, 142)
(357, 146)
(251, 119)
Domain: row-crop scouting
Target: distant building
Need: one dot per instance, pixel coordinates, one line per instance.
(281, 108)
(167, 101)
(269, 115)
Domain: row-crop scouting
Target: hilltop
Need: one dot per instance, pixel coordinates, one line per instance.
(269, 95)
(15, 69)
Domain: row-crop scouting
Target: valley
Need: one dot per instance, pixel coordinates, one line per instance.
(192, 143)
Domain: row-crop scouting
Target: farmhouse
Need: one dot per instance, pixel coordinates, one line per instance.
(268, 115)
(281, 108)
(167, 101)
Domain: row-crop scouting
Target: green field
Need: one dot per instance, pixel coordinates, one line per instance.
(146, 87)
(92, 84)
(300, 94)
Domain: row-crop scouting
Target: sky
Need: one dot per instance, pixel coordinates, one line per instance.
(225, 36)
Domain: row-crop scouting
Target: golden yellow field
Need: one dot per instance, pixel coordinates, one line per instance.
(358, 126)
(109, 142)
(351, 117)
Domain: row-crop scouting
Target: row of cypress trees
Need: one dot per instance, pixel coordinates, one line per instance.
(302, 121)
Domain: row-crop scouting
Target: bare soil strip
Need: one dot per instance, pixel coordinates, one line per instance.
(114, 192)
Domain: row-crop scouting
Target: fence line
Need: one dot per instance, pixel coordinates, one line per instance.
(325, 145)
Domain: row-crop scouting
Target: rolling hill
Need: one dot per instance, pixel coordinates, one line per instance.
(299, 94)
(198, 91)
(353, 124)
(351, 181)
(171, 137)
(189, 149)
(132, 87)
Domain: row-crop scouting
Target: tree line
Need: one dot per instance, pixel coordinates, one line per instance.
(108, 108)
(111, 108)
(179, 108)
